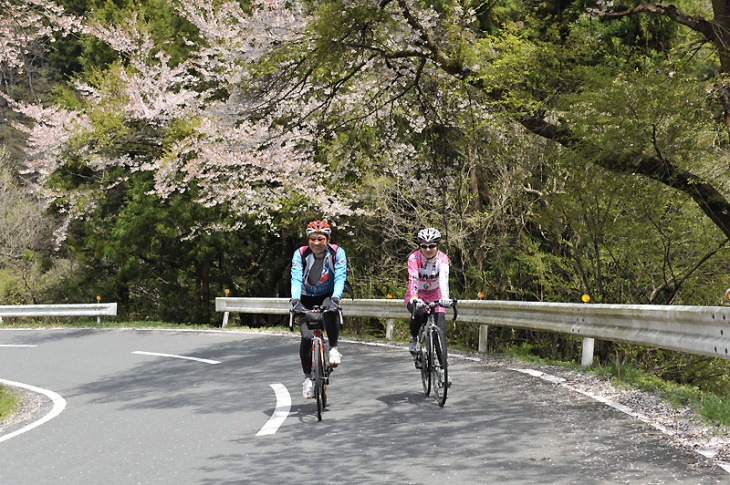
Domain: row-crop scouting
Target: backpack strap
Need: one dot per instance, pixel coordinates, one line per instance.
(306, 251)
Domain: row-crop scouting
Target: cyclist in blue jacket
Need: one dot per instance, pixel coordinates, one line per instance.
(318, 274)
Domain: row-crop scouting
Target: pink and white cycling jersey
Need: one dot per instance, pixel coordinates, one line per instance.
(428, 279)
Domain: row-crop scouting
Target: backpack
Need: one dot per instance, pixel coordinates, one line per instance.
(305, 251)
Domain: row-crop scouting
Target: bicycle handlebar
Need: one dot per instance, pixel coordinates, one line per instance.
(316, 309)
(456, 310)
(433, 304)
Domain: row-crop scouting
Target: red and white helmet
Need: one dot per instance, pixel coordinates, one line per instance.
(319, 226)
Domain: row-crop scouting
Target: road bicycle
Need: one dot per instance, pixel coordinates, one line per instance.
(431, 354)
(321, 368)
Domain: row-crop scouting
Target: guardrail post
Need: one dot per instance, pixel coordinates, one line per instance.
(391, 323)
(225, 315)
(389, 329)
(483, 332)
(588, 342)
(587, 359)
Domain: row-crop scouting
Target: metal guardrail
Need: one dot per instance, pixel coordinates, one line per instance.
(59, 310)
(692, 329)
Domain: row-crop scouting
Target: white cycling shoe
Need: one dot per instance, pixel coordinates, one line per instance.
(307, 389)
(335, 357)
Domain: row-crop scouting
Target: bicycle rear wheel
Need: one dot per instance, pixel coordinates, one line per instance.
(318, 375)
(425, 357)
(440, 374)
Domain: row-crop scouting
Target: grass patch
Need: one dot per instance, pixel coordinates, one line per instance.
(9, 402)
(714, 409)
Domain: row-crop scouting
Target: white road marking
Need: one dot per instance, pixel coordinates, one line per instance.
(59, 404)
(17, 345)
(197, 359)
(283, 405)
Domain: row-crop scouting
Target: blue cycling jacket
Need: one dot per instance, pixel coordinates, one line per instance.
(332, 279)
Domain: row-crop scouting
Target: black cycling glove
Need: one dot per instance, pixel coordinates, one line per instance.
(296, 306)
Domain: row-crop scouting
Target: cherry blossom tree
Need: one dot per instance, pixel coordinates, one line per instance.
(200, 130)
(26, 25)
(298, 107)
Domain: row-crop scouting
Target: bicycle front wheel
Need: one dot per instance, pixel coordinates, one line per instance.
(440, 374)
(425, 358)
(325, 377)
(318, 375)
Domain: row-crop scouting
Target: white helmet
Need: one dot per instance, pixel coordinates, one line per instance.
(429, 234)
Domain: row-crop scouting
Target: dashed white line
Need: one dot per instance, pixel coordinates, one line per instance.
(283, 405)
(16, 345)
(197, 359)
(59, 404)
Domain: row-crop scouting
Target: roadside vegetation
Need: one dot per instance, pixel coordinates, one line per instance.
(704, 396)
(707, 394)
(9, 402)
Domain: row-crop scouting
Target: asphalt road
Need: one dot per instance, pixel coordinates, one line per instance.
(139, 410)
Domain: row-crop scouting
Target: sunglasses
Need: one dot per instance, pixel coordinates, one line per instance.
(318, 239)
(428, 246)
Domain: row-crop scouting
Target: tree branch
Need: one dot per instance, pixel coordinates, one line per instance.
(707, 28)
(437, 55)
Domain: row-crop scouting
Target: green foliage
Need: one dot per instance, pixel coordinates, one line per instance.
(145, 256)
(11, 289)
(9, 402)
(716, 409)
(681, 395)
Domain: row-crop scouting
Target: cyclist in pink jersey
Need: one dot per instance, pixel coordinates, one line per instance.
(428, 280)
